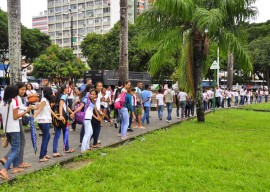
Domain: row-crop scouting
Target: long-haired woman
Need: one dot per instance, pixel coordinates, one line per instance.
(10, 112)
(61, 100)
(44, 119)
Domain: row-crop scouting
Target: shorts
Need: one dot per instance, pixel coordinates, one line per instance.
(138, 110)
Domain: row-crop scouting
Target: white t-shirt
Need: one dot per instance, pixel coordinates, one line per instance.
(89, 109)
(218, 93)
(205, 96)
(98, 102)
(22, 107)
(236, 94)
(266, 92)
(105, 103)
(70, 93)
(12, 124)
(182, 96)
(210, 94)
(45, 114)
(160, 98)
(31, 92)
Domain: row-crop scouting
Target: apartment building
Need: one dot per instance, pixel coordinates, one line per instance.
(83, 17)
(40, 22)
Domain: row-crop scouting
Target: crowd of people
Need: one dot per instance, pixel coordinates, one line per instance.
(90, 106)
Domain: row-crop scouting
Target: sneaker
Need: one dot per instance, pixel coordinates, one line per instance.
(115, 125)
(168, 121)
(98, 141)
(105, 121)
(130, 130)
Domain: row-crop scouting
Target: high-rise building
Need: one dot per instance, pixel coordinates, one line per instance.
(40, 22)
(143, 5)
(69, 21)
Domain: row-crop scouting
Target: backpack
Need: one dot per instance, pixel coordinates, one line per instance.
(117, 92)
(59, 123)
(80, 115)
(120, 101)
(169, 96)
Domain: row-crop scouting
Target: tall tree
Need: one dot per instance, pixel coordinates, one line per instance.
(189, 26)
(123, 57)
(14, 32)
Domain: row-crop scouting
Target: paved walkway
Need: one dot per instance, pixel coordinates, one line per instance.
(108, 137)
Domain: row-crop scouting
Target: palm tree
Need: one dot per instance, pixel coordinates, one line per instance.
(190, 26)
(123, 57)
(14, 31)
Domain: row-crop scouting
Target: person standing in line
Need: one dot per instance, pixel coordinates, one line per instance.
(229, 95)
(169, 99)
(248, 94)
(218, 95)
(116, 92)
(70, 97)
(146, 101)
(88, 103)
(10, 113)
(182, 98)
(242, 96)
(88, 81)
(123, 112)
(205, 100)
(160, 104)
(261, 94)
(210, 96)
(236, 95)
(75, 102)
(44, 119)
(105, 100)
(138, 109)
(61, 103)
(266, 93)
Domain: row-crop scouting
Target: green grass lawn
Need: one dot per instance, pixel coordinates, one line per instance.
(260, 106)
(230, 152)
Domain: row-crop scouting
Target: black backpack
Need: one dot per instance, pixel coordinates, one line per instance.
(59, 123)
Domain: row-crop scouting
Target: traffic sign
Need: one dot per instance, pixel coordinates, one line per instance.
(215, 65)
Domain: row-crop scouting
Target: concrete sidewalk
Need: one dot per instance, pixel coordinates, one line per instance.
(108, 137)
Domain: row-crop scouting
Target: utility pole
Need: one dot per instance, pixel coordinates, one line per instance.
(14, 34)
(123, 57)
(71, 29)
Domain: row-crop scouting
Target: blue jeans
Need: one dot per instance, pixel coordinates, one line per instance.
(169, 109)
(124, 117)
(242, 101)
(14, 140)
(183, 106)
(266, 98)
(45, 129)
(236, 101)
(81, 133)
(96, 130)
(160, 111)
(56, 138)
(146, 115)
(260, 97)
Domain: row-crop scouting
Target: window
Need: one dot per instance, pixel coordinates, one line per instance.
(106, 10)
(58, 17)
(98, 12)
(90, 4)
(50, 3)
(58, 25)
(90, 21)
(66, 40)
(81, 15)
(90, 29)
(58, 33)
(50, 10)
(51, 26)
(58, 9)
(106, 19)
(59, 41)
(81, 22)
(58, 2)
(80, 31)
(81, 6)
(98, 20)
(51, 18)
(90, 13)
(66, 33)
(73, 7)
(65, 8)
(98, 3)
(52, 34)
(106, 27)
(66, 24)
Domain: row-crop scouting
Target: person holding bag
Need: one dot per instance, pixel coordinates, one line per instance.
(32, 95)
(10, 112)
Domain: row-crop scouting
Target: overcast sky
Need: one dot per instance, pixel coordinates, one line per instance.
(34, 7)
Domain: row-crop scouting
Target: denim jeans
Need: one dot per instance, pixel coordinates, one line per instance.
(96, 130)
(22, 143)
(236, 101)
(205, 105)
(242, 100)
(183, 106)
(169, 110)
(266, 98)
(45, 129)
(177, 109)
(260, 99)
(88, 131)
(13, 157)
(81, 133)
(123, 113)
(229, 102)
(146, 115)
(160, 111)
(56, 139)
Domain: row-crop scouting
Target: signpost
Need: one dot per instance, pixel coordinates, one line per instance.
(215, 67)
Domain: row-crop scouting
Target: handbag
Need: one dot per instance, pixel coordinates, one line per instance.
(59, 123)
(4, 138)
(33, 99)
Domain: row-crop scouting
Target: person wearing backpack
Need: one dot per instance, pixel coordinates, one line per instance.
(61, 103)
(116, 92)
(146, 101)
(169, 99)
(88, 105)
(125, 101)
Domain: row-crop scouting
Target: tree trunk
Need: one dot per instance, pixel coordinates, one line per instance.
(230, 71)
(198, 60)
(123, 57)
(14, 32)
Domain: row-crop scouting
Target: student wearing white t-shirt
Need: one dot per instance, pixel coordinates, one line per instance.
(44, 119)
(266, 93)
(160, 104)
(182, 98)
(71, 94)
(10, 114)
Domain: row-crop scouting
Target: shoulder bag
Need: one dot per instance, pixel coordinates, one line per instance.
(4, 138)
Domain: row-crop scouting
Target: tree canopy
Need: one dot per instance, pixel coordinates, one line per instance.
(34, 42)
(59, 64)
(102, 51)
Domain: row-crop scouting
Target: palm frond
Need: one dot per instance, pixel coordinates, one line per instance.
(229, 42)
(166, 48)
(183, 9)
(210, 20)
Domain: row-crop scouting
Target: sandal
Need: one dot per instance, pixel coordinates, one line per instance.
(57, 155)
(96, 146)
(43, 160)
(70, 151)
(24, 165)
(47, 157)
(18, 170)
(4, 175)
(2, 161)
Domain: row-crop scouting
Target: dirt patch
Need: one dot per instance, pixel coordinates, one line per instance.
(77, 164)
